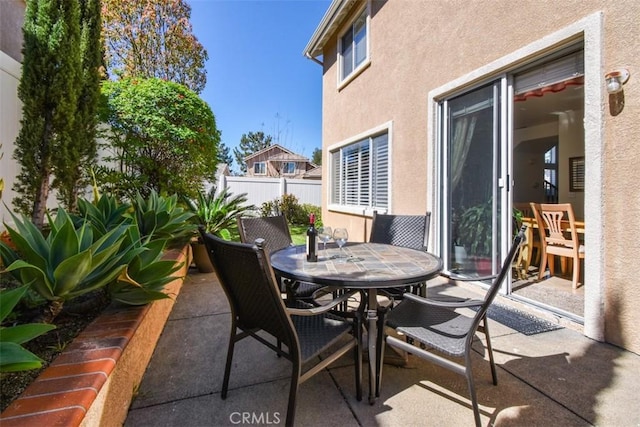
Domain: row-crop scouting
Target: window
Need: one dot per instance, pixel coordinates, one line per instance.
(289, 168)
(360, 173)
(260, 168)
(551, 175)
(354, 50)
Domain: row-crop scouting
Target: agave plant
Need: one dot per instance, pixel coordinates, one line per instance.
(13, 357)
(217, 214)
(145, 277)
(145, 274)
(106, 213)
(160, 218)
(65, 264)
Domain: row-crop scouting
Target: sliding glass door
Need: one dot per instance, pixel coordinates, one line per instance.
(472, 174)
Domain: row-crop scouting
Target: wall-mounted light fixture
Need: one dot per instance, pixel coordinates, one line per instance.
(615, 79)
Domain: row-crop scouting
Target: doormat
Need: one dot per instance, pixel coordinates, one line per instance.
(523, 322)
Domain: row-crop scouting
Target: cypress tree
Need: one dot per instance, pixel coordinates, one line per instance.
(49, 90)
(72, 171)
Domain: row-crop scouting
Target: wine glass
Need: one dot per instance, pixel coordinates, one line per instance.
(324, 234)
(340, 236)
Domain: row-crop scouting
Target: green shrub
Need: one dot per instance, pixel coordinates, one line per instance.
(288, 205)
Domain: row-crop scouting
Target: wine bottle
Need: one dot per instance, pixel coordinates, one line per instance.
(312, 240)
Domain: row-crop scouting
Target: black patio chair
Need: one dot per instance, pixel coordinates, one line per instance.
(448, 327)
(410, 231)
(275, 232)
(248, 281)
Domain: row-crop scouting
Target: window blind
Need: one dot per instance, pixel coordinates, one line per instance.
(360, 173)
(565, 68)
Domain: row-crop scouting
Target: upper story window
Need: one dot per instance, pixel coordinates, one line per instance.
(360, 174)
(354, 46)
(289, 168)
(260, 168)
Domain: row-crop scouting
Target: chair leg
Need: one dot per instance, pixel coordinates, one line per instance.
(485, 325)
(380, 344)
(576, 272)
(543, 265)
(551, 261)
(358, 354)
(563, 264)
(227, 367)
(293, 393)
(472, 388)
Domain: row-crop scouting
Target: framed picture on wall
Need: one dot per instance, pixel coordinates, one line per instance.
(576, 174)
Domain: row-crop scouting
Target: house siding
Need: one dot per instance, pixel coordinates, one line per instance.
(419, 48)
(267, 156)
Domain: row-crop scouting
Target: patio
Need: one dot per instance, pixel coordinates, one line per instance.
(551, 378)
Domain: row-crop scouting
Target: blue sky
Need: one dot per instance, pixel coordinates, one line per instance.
(257, 77)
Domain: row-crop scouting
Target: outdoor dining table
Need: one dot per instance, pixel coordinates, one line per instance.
(364, 266)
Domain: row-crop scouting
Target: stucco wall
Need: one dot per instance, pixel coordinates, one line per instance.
(417, 46)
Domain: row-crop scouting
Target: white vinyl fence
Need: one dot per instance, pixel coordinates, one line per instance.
(10, 113)
(260, 190)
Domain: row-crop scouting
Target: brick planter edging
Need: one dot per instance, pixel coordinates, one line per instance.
(92, 382)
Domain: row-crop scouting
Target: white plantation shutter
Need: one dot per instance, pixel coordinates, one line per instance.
(360, 174)
(336, 194)
(380, 182)
(351, 158)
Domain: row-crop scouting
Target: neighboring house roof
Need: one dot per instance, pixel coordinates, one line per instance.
(287, 157)
(269, 148)
(315, 173)
(222, 169)
(329, 24)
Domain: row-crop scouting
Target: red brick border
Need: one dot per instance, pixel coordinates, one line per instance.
(65, 393)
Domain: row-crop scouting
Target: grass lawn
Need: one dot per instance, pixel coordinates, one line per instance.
(298, 234)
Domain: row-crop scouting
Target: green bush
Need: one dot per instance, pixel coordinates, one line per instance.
(288, 205)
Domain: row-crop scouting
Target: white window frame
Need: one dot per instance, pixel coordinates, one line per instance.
(366, 210)
(263, 168)
(357, 68)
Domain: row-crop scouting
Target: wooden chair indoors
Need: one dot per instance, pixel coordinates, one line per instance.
(532, 249)
(559, 236)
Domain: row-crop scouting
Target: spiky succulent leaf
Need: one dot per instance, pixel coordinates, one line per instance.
(22, 333)
(14, 358)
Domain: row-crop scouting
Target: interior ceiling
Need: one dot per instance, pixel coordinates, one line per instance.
(539, 110)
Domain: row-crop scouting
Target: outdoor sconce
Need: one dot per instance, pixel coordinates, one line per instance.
(615, 79)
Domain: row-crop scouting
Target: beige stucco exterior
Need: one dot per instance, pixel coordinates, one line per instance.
(421, 51)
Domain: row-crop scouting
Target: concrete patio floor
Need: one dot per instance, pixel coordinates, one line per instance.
(558, 378)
